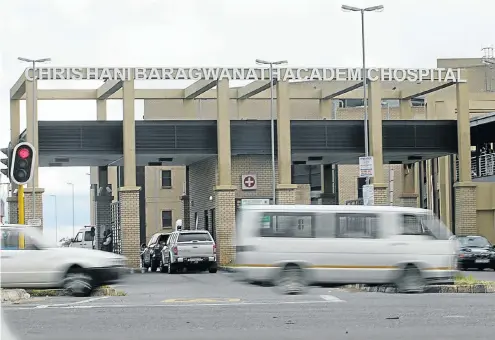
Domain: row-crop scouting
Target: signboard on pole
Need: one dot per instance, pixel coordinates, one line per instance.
(35, 222)
(366, 168)
(368, 194)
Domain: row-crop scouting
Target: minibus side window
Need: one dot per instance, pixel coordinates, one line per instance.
(357, 226)
(297, 225)
(412, 225)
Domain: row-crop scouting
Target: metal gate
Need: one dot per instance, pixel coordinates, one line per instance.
(116, 230)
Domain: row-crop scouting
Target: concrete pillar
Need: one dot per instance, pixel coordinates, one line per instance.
(376, 142)
(406, 109)
(186, 203)
(15, 131)
(326, 107)
(129, 134)
(465, 189)
(445, 190)
(224, 191)
(103, 200)
(286, 191)
(32, 123)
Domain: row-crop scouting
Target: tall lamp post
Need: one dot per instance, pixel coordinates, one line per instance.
(33, 62)
(73, 211)
(272, 122)
(56, 217)
(364, 75)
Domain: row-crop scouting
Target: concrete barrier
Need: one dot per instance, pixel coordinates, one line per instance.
(14, 295)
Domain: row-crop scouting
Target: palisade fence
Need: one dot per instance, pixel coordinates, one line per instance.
(482, 166)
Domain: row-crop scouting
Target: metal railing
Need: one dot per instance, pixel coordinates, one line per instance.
(482, 166)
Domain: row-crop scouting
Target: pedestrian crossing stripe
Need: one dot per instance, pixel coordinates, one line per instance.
(201, 300)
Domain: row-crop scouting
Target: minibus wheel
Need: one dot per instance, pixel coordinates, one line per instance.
(291, 279)
(410, 280)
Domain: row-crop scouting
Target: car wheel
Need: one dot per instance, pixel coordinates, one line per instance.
(291, 280)
(410, 280)
(78, 282)
(212, 270)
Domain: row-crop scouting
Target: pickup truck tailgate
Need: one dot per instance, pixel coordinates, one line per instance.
(195, 249)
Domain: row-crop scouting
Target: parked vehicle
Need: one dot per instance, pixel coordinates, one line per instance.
(29, 261)
(151, 254)
(475, 252)
(295, 246)
(85, 238)
(189, 249)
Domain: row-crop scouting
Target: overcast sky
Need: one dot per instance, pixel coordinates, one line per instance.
(214, 33)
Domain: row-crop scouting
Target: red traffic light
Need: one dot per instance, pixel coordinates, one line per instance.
(24, 153)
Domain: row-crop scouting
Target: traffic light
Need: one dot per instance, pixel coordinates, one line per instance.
(6, 161)
(22, 163)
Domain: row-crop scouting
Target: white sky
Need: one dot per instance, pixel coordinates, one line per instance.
(214, 33)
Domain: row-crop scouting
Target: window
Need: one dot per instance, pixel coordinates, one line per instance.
(357, 226)
(78, 238)
(287, 225)
(360, 183)
(166, 219)
(189, 237)
(411, 225)
(88, 236)
(166, 179)
(10, 239)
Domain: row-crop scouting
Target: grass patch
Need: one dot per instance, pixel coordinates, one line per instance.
(44, 292)
(469, 280)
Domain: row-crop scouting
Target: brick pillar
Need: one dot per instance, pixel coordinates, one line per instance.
(129, 224)
(381, 194)
(28, 205)
(13, 210)
(103, 216)
(303, 194)
(409, 200)
(465, 208)
(286, 194)
(225, 224)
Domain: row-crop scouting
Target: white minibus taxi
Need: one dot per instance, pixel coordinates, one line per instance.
(294, 246)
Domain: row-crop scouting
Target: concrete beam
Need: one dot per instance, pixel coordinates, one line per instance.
(108, 88)
(199, 87)
(325, 95)
(19, 88)
(254, 88)
(66, 94)
(423, 89)
(358, 94)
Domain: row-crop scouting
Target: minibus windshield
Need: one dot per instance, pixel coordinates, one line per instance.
(435, 227)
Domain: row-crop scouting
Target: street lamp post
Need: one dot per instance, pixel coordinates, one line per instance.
(73, 211)
(272, 122)
(56, 217)
(33, 62)
(364, 75)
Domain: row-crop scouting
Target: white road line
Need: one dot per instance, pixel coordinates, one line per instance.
(72, 303)
(331, 298)
(183, 305)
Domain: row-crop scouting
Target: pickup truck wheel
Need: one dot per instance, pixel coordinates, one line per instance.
(170, 268)
(78, 282)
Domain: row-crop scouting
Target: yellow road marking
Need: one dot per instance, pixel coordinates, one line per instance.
(201, 300)
(334, 267)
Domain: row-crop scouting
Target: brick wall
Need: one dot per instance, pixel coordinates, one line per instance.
(465, 209)
(103, 216)
(129, 223)
(381, 195)
(286, 196)
(225, 225)
(303, 194)
(202, 180)
(28, 205)
(259, 165)
(13, 209)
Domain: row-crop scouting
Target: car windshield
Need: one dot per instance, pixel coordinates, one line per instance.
(475, 242)
(189, 237)
(436, 227)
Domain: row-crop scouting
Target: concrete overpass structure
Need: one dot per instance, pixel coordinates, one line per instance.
(200, 127)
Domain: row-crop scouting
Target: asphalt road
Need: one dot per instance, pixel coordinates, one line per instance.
(214, 306)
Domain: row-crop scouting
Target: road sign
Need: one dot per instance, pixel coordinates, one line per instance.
(366, 168)
(249, 182)
(35, 222)
(368, 194)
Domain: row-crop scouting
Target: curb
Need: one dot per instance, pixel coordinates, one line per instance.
(14, 295)
(102, 291)
(474, 289)
(226, 269)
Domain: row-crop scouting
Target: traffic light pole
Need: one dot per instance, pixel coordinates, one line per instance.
(20, 204)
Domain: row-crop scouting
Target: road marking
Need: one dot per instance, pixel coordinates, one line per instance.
(200, 300)
(331, 298)
(71, 303)
(238, 304)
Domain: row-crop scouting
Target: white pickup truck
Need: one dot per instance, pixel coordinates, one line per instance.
(189, 249)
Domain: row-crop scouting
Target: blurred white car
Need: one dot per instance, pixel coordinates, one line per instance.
(29, 261)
